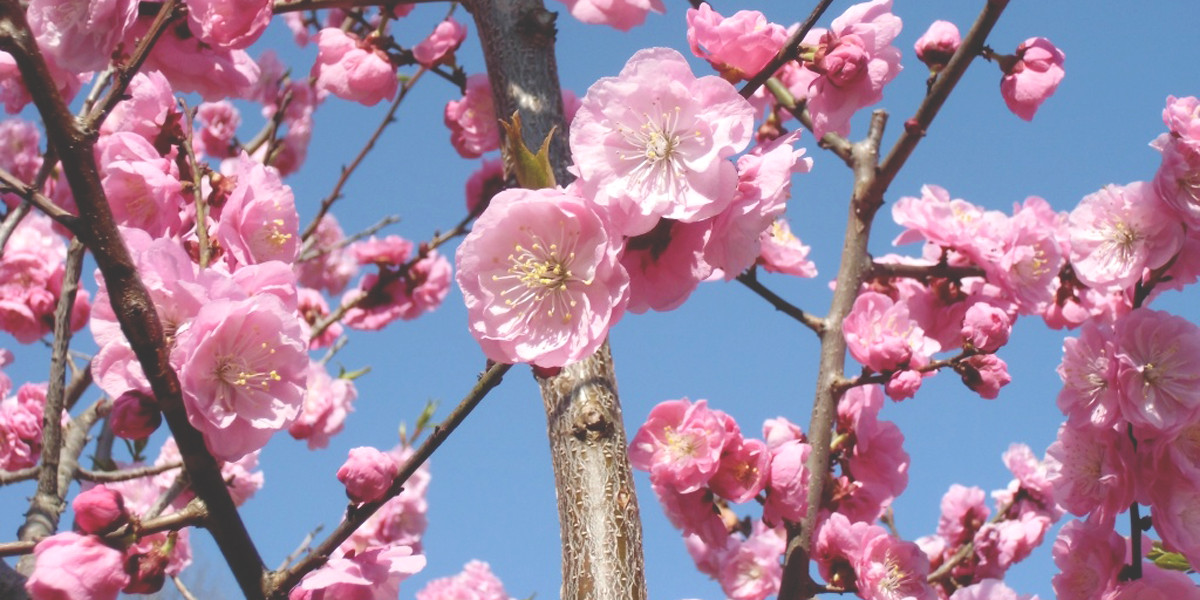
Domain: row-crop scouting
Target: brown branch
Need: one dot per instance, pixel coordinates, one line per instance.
(312, 253)
(97, 229)
(7, 477)
(9, 182)
(48, 502)
(388, 118)
(831, 141)
(79, 384)
(750, 280)
(126, 474)
(193, 514)
(797, 582)
(279, 583)
(789, 51)
(282, 6)
(924, 272)
(916, 127)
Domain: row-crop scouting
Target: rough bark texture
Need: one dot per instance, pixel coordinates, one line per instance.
(597, 506)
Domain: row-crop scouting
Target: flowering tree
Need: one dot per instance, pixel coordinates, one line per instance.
(213, 301)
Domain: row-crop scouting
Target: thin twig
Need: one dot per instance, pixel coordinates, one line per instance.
(10, 183)
(305, 546)
(348, 170)
(283, 6)
(204, 247)
(126, 474)
(789, 50)
(750, 280)
(183, 591)
(314, 252)
(280, 582)
(193, 514)
(7, 477)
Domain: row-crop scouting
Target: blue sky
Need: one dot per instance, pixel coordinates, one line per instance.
(492, 495)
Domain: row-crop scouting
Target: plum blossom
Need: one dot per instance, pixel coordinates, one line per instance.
(1118, 232)
(441, 44)
(1031, 76)
(80, 35)
(782, 252)
(1089, 555)
(986, 327)
(327, 402)
(243, 366)
(228, 24)
(472, 119)
(540, 277)
(619, 14)
(483, 184)
(984, 374)
(217, 125)
(149, 101)
(988, 589)
(194, 66)
(21, 427)
(666, 264)
(142, 187)
(371, 575)
(259, 221)
(1158, 371)
(751, 569)
(1089, 373)
(743, 471)
(1176, 514)
(891, 568)
(850, 64)
(787, 484)
(654, 142)
(334, 266)
(404, 291)
(1093, 471)
(367, 474)
(31, 274)
(475, 582)
(76, 567)
(353, 69)
(401, 520)
(881, 335)
(938, 44)
(738, 46)
(99, 510)
(680, 444)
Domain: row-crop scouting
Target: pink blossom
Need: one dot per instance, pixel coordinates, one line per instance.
(371, 575)
(142, 187)
(787, 485)
(194, 66)
(938, 44)
(881, 335)
(218, 126)
(654, 142)
(1089, 372)
(988, 589)
(228, 24)
(1032, 478)
(986, 327)
(19, 152)
(240, 477)
(483, 184)
(680, 444)
(1177, 180)
(782, 252)
(1182, 118)
(475, 582)
(743, 471)
(472, 120)
(619, 14)
(779, 431)
(15, 96)
(751, 569)
(135, 415)
(1094, 471)
(327, 401)
(935, 217)
(333, 266)
(738, 46)
(367, 474)
(242, 368)
(76, 567)
(1158, 371)
(963, 513)
(80, 35)
(764, 186)
(877, 464)
(1089, 555)
(984, 374)
(313, 309)
(1156, 584)
(31, 274)
(693, 513)
(402, 293)
(838, 548)
(1176, 514)
(259, 222)
(99, 510)
(892, 568)
(1031, 76)
(391, 250)
(353, 69)
(401, 520)
(903, 384)
(148, 101)
(851, 63)
(540, 277)
(21, 427)
(998, 546)
(1029, 254)
(666, 264)
(440, 45)
(1118, 232)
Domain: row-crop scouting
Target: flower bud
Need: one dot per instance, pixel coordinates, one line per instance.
(99, 510)
(938, 44)
(135, 415)
(985, 327)
(367, 474)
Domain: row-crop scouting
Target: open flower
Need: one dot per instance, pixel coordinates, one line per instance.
(653, 142)
(541, 279)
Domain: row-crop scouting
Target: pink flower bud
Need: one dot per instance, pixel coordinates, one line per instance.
(937, 45)
(367, 474)
(99, 510)
(903, 384)
(147, 572)
(440, 45)
(985, 374)
(1032, 77)
(135, 415)
(986, 327)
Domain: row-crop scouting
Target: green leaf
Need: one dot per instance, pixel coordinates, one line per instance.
(1168, 560)
(532, 170)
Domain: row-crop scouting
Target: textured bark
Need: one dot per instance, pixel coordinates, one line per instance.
(597, 506)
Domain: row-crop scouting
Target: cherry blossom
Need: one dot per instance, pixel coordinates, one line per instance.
(76, 567)
(367, 474)
(738, 46)
(475, 582)
(540, 276)
(654, 142)
(352, 69)
(680, 444)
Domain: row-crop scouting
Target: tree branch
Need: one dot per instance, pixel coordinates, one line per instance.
(750, 280)
(789, 51)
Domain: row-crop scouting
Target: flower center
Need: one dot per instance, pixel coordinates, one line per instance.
(539, 277)
(656, 144)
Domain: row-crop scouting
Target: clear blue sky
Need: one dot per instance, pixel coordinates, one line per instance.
(492, 495)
